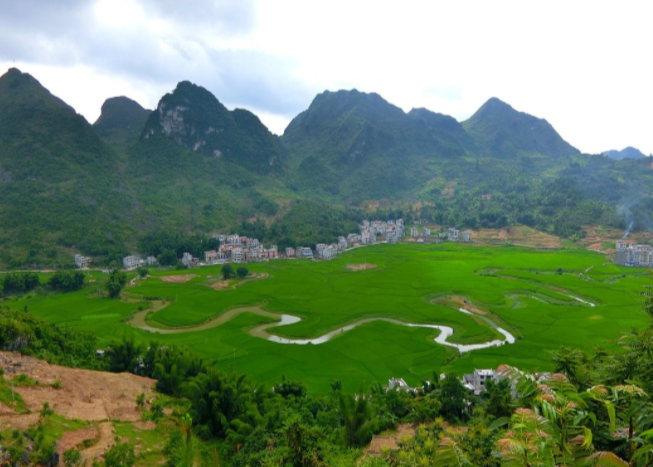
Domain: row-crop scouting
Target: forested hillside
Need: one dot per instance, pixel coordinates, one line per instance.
(192, 167)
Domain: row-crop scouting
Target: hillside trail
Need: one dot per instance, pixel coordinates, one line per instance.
(105, 436)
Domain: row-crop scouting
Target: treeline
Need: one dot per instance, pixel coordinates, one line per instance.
(22, 282)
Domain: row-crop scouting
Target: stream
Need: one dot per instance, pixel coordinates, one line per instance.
(261, 331)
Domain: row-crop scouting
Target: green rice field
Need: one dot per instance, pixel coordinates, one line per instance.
(520, 289)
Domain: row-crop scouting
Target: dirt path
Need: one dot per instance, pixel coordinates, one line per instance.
(105, 436)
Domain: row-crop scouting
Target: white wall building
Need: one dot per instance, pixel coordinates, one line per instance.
(131, 262)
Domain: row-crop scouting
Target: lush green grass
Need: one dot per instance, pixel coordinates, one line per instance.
(326, 296)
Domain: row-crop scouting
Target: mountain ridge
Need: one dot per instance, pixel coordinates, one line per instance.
(196, 167)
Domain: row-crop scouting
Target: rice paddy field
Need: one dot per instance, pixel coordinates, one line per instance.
(546, 299)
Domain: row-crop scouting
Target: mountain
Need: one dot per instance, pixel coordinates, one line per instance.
(58, 182)
(627, 153)
(121, 121)
(192, 167)
(500, 131)
(192, 117)
(357, 145)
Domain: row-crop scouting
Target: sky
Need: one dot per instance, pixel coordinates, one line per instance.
(584, 66)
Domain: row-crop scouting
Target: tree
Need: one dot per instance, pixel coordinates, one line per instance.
(356, 416)
(452, 397)
(227, 272)
(66, 281)
(242, 272)
(116, 281)
(143, 272)
(499, 399)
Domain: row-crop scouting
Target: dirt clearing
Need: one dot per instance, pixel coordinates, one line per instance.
(360, 266)
(389, 442)
(84, 394)
(178, 279)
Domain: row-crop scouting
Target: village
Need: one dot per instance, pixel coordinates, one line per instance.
(635, 255)
(239, 249)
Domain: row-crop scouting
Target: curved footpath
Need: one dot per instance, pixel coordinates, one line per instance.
(261, 331)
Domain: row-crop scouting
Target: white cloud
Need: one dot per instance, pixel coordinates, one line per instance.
(581, 65)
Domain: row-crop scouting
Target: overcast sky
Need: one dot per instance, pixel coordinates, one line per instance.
(585, 66)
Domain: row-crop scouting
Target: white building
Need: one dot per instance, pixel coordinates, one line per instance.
(188, 260)
(131, 262)
(413, 232)
(342, 243)
(237, 255)
(290, 252)
(452, 235)
(273, 252)
(328, 252)
(82, 262)
(426, 232)
(151, 260)
(467, 236)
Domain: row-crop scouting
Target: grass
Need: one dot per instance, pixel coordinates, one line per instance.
(501, 280)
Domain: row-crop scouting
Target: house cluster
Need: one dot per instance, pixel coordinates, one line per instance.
(237, 249)
(636, 255)
(135, 261)
(451, 235)
(390, 230)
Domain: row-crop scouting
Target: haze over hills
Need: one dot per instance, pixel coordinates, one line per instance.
(194, 167)
(627, 153)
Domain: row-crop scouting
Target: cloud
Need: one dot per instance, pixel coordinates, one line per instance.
(156, 43)
(582, 65)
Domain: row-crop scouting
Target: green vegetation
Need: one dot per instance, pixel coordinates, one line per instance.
(519, 288)
(568, 418)
(66, 281)
(115, 283)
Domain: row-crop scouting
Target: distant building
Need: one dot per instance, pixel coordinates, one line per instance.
(189, 261)
(290, 252)
(304, 252)
(210, 256)
(82, 262)
(413, 232)
(398, 384)
(476, 381)
(151, 260)
(426, 232)
(634, 255)
(467, 236)
(273, 252)
(237, 255)
(342, 243)
(452, 235)
(328, 252)
(131, 262)
(391, 238)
